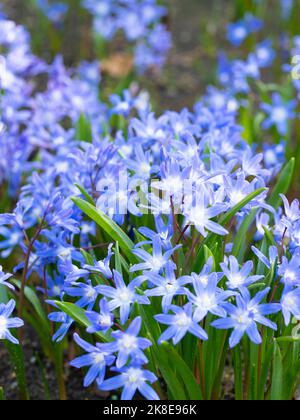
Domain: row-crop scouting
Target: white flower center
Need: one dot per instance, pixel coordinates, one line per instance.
(135, 376)
(157, 263)
(91, 293)
(14, 237)
(145, 168)
(244, 319)
(125, 296)
(290, 275)
(206, 301)
(128, 342)
(236, 280)
(105, 320)
(183, 321)
(289, 301)
(98, 358)
(171, 287)
(279, 114)
(56, 290)
(240, 32)
(236, 196)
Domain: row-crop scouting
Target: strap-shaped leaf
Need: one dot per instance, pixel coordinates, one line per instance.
(85, 194)
(16, 355)
(32, 297)
(243, 203)
(283, 184)
(184, 371)
(277, 375)
(78, 315)
(109, 226)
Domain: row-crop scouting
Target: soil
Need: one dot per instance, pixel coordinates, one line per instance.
(40, 388)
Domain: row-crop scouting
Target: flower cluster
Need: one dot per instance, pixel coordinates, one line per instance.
(141, 23)
(182, 196)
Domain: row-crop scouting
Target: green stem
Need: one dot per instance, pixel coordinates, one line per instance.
(238, 374)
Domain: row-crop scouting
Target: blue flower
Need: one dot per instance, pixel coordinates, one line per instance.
(6, 323)
(96, 359)
(180, 324)
(122, 105)
(128, 345)
(168, 287)
(153, 262)
(55, 288)
(289, 271)
(3, 279)
(269, 260)
(11, 238)
(142, 164)
(292, 212)
(102, 267)
(201, 213)
(63, 319)
(238, 278)
(163, 231)
(71, 271)
(262, 223)
(244, 317)
(204, 275)
(239, 31)
(252, 164)
(102, 321)
(209, 298)
(132, 379)
(123, 296)
(274, 156)
(290, 304)
(55, 12)
(87, 292)
(279, 113)
(265, 54)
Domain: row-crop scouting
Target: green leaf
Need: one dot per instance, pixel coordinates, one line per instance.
(16, 355)
(239, 241)
(2, 396)
(84, 129)
(17, 358)
(277, 375)
(32, 297)
(228, 216)
(283, 184)
(168, 373)
(85, 194)
(160, 354)
(290, 339)
(78, 315)
(118, 262)
(109, 226)
(238, 373)
(184, 371)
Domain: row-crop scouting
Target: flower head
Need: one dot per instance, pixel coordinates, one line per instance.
(180, 324)
(95, 359)
(132, 379)
(244, 317)
(238, 278)
(123, 296)
(128, 345)
(7, 323)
